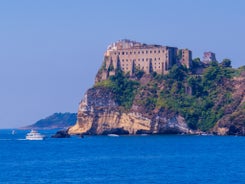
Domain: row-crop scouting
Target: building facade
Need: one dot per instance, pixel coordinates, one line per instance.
(185, 57)
(131, 55)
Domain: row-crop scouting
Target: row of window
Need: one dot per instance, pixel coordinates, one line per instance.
(138, 52)
(159, 64)
(143, 59)
(141, 68)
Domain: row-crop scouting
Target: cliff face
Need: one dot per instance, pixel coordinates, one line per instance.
(182, 101)
(100, 114)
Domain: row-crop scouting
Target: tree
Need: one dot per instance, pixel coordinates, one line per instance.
(177, 72)
(226, 63)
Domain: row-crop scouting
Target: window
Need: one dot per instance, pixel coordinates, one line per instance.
(130, 52)
(150, 51)
(158, 58)
(146, 52)
(138, 52)
(126, 53)
(155, 59)
(134, 52)
(142, 52)
(122, 53)
(158, 51)
(138, 59)
(146, 59)
(155, 51)
(126, 60)
(123, 60)
(142, 59)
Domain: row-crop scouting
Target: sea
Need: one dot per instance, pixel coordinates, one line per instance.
(155, 159)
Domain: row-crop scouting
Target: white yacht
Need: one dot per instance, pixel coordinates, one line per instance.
(34, 135)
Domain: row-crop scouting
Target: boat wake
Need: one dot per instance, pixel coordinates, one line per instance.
(21, 139)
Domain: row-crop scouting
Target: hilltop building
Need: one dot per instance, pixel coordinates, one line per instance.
(130, 55)
(209, 57)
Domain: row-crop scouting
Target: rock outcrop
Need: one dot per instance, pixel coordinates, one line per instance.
(133, 98)
(99, 114)
(61, 134)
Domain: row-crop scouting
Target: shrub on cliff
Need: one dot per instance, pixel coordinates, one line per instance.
(196, 97)
(123, 88)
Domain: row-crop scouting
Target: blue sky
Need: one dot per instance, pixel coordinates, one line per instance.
(50, 50)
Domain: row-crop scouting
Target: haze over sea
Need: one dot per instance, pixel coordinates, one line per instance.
(124, 159)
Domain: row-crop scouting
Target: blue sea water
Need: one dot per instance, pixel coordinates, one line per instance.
(169, 159)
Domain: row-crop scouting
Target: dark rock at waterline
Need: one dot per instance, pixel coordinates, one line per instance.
(143, 132)
(61, 134)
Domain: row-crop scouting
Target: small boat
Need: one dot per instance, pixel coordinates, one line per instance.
(113, 135)
(13, 132)
(34, 135)
(206, 134)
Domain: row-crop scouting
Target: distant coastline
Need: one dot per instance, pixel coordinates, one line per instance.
(54, 121)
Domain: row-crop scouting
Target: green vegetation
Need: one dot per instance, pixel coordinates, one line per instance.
(197, 98)
(138, 73)
(239, 71)
(124, 88)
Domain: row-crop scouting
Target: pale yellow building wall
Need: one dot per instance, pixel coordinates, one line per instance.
(159, 57)
(186, 58)
(128, 54)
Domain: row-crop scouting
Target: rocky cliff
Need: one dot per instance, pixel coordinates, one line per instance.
(100, 114)
(180, 102)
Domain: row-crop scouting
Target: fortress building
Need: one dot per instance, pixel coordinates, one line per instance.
(131, 55)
